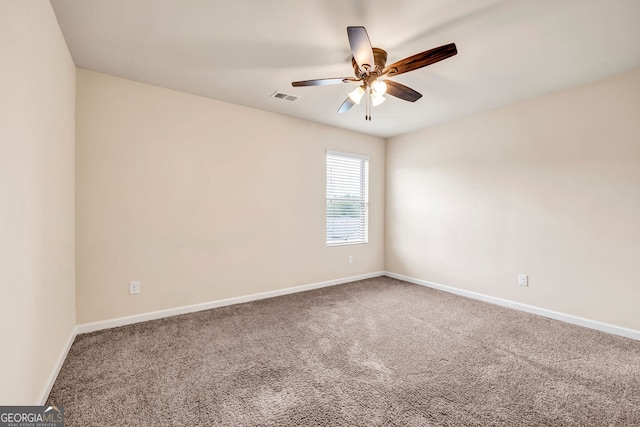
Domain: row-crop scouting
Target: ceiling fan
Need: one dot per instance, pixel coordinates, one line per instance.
(370, 69)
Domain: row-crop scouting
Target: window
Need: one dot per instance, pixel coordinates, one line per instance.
(347, 198)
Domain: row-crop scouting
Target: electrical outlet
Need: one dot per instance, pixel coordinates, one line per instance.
(523, 280)
(350, 259)
(134, 287)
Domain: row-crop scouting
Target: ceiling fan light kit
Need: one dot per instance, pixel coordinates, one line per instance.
(369, 66)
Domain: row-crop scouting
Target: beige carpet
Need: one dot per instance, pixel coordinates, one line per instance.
(377, 352)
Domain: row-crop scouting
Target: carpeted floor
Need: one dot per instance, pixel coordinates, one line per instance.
(378, 352)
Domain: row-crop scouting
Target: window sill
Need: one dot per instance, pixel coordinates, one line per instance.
(330, 245)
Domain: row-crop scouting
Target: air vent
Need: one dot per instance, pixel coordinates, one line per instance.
(284, 96)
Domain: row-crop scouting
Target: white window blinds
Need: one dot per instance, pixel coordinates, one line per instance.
(347, 198)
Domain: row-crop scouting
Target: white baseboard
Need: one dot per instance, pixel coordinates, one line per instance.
(604, 327)
(44, 394)
(122, 321)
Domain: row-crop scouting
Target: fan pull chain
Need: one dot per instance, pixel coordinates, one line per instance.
(368, 106)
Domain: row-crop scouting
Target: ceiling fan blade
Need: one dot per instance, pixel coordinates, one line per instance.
(401, 91)
(361, 47)
(346, 105)
(322, 82)
(421, 59)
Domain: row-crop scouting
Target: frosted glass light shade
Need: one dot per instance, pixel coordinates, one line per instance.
(377, 100)
(356, 95)
(378, 88)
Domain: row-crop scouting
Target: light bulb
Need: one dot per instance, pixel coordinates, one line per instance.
(377, 99)
(356, 95)
(379, 87)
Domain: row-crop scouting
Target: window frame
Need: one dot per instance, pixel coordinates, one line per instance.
(363, 183)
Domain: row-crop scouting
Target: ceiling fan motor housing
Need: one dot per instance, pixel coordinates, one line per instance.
(380, 59)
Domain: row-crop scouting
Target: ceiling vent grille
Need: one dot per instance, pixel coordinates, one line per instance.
(284, 96)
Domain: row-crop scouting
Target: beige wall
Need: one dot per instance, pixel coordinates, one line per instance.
(549, 187)
(202, 200)
(37, 109)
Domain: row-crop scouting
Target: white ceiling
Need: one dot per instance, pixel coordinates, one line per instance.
(241, 51)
